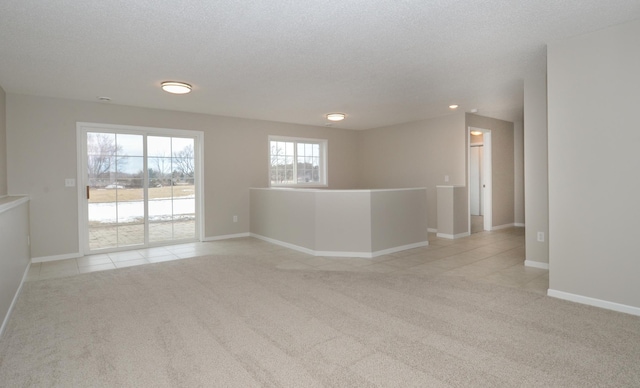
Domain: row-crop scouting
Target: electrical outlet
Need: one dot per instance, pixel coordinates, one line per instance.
(540, 236)
(235, 218)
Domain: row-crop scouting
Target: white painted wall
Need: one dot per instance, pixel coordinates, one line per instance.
(594, 178)
(536, 169)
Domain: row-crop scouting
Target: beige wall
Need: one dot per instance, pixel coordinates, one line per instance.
(417, 154)
(594, 211)
(14, 251)
(284, 215)
(361, 223)
(518, 180)
(398, 218)
(3, 143)
(453, 214)
(536, 168)
(343, 221)
(41, 133)
(502, 162)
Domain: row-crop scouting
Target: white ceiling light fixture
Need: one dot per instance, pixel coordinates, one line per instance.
(453, 106)
(476, 133)
(176, 87)
(336, 116)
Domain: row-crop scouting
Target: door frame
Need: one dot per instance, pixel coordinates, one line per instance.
(81, 147)
(487, 177)
(478, 146)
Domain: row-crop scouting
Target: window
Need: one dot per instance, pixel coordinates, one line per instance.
(297, 161)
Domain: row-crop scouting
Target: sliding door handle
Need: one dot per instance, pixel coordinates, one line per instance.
(87, 192)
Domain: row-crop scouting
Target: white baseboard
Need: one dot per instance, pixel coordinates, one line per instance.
(13, 302)
(519, 225)
(432, 230)
(536, 264)
(226, 236)
(284, 244)
(453, 236)
(44, 259)
(361, 255)
(505, 226)
(365, 255)
(622, 308)
(400, 248)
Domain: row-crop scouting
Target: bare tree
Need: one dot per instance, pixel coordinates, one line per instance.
(162, 169)
(104, 157)
(281, 164)
(277, 155)
(183, 162)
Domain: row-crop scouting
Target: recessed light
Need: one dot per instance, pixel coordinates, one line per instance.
(476, 133)
(336, 116)
(453, 106)
(103, 98)
(176, 87)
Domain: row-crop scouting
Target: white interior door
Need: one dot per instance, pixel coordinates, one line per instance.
(487, 185)
(475, 180)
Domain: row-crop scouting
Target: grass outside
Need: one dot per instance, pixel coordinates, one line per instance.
(110, 195)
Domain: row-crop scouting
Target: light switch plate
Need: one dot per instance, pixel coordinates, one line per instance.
(69, 182)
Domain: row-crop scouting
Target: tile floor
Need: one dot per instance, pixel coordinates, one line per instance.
(494, 257)
(102, 236)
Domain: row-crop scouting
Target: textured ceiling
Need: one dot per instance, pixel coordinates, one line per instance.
(380, 61)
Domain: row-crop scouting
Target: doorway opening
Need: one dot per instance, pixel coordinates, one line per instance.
(479, 167)
(139, 187)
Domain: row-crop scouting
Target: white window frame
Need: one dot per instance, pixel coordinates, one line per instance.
(323, 171)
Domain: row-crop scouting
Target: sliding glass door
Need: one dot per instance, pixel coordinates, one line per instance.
(141, 188)
(115, 190)
(172, 202)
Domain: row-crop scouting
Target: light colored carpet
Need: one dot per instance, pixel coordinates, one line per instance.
(231, 322)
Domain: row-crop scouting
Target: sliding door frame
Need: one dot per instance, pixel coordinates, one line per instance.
(82, 128)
